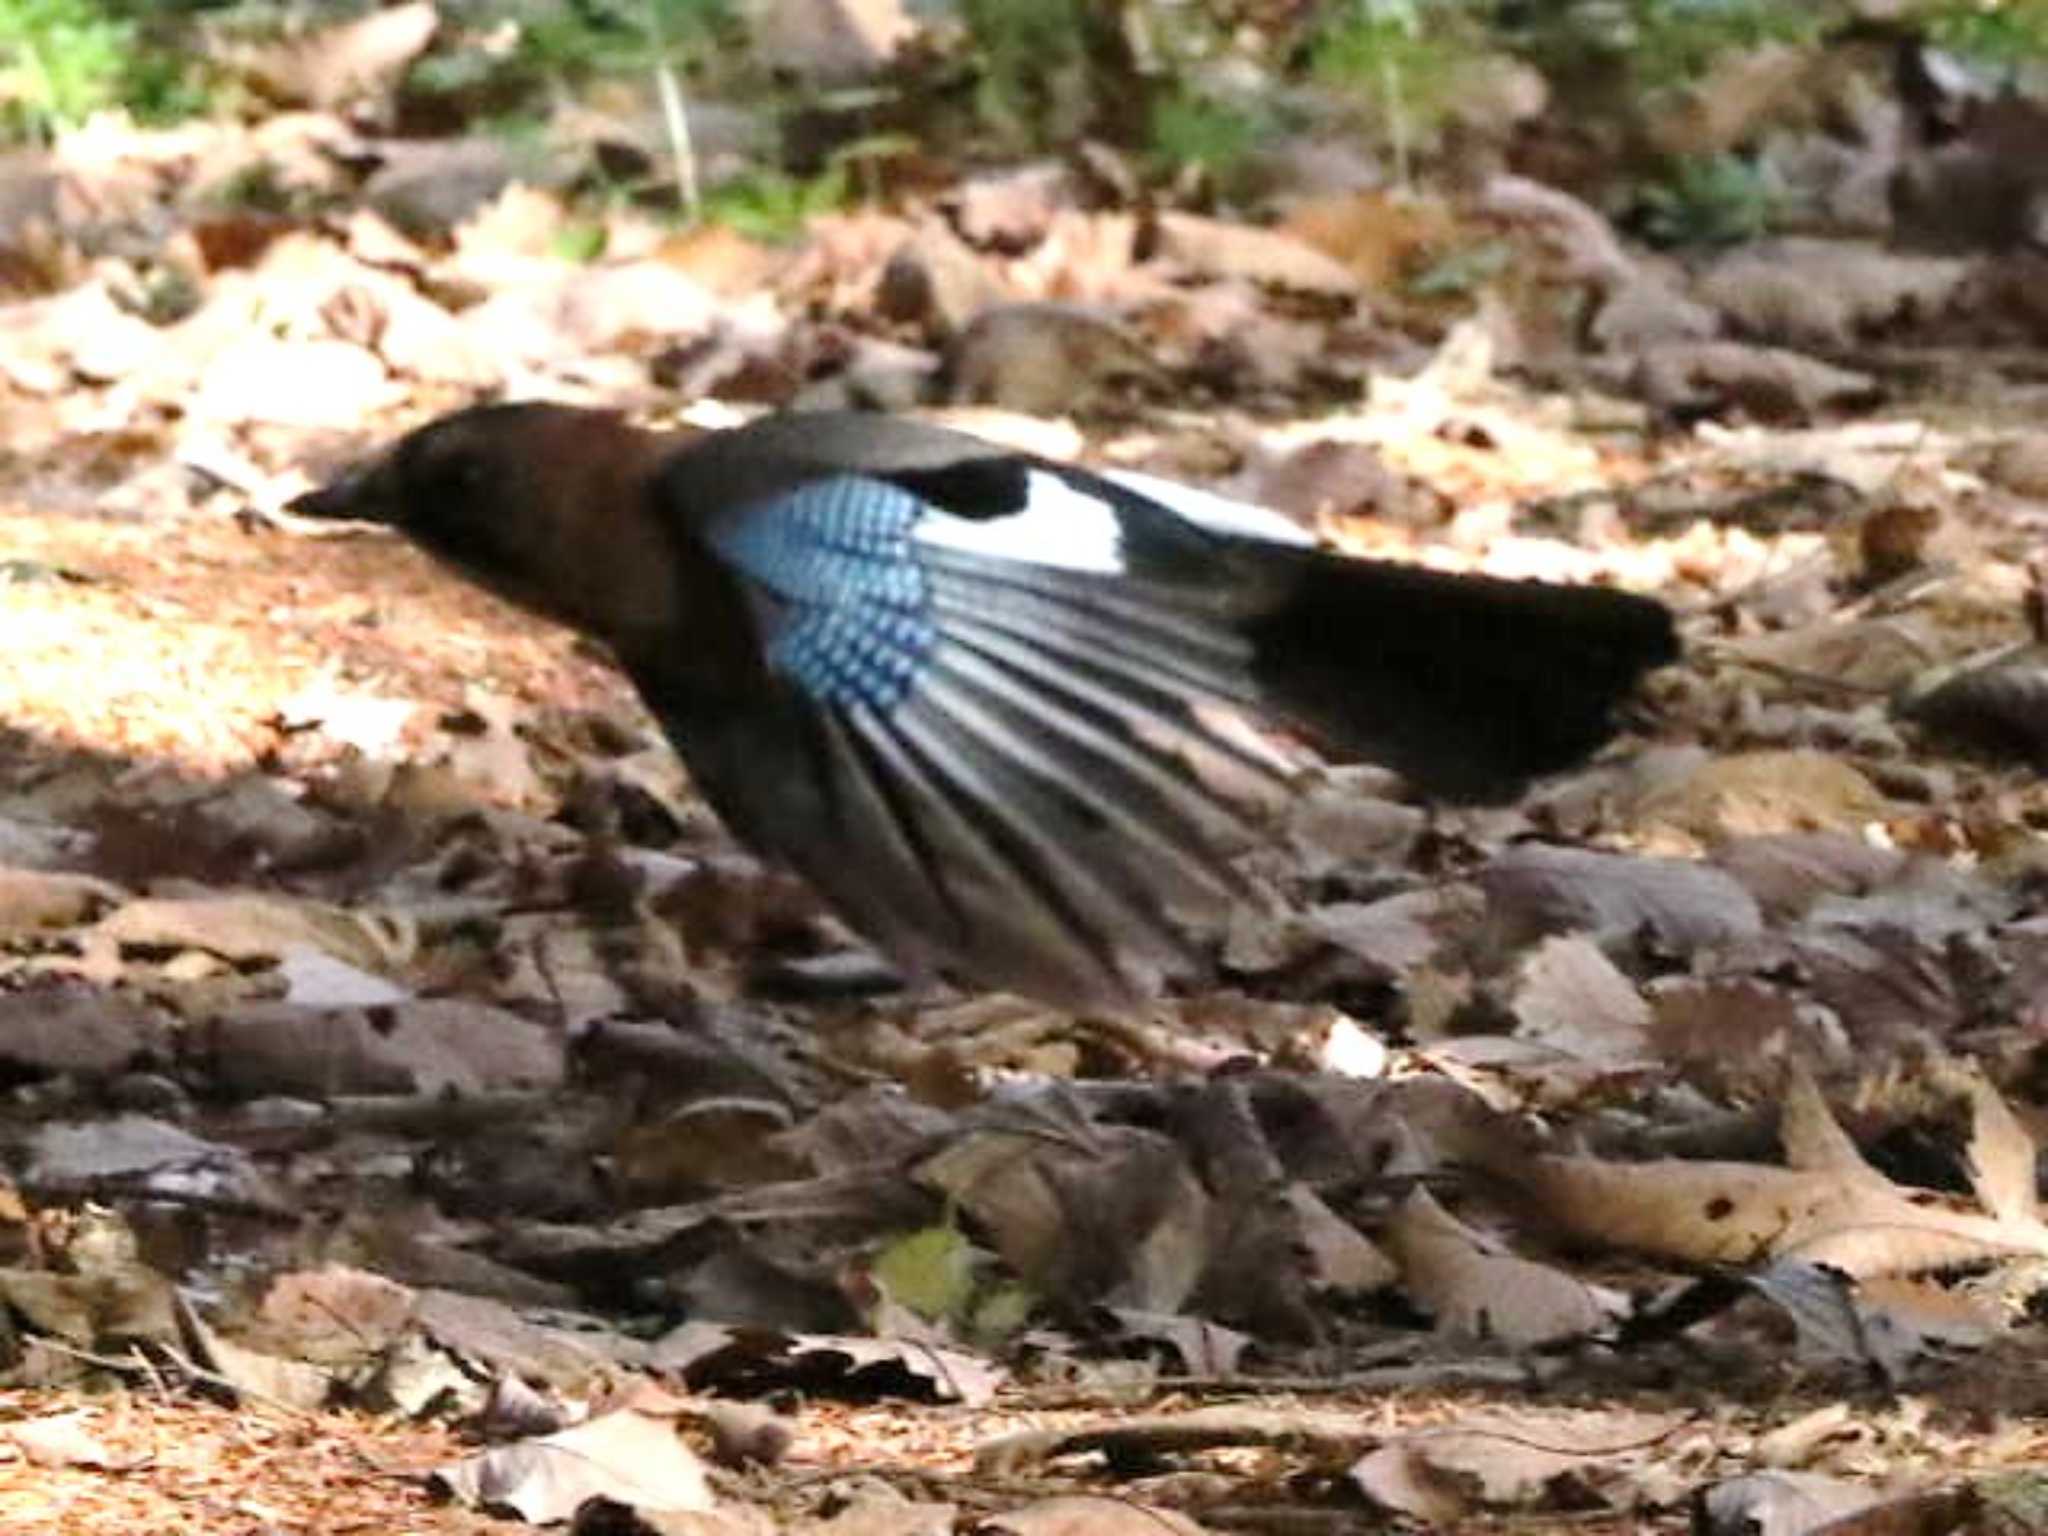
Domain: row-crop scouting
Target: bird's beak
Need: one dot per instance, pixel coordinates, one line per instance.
(363, 493)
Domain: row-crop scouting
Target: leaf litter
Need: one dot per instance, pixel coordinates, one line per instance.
(393, 1044)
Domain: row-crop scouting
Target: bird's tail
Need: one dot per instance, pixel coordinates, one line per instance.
(1467, 686)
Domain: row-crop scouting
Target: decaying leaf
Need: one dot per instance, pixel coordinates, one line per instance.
(62, 1440)
(1081, 1515)
(633, 1458)
(1829, 1208)
(713, 1355)
(1476, 1291)
(1495, 1462)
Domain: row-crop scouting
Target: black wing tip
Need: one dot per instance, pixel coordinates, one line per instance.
(1469, 686)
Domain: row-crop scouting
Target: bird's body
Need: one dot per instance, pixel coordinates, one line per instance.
(974, 696)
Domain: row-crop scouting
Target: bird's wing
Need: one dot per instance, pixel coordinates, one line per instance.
(993, 728)
(988, 752)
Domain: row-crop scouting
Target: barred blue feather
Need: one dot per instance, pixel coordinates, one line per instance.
(850, 608)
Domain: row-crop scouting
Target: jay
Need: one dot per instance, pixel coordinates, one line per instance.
(989, 705)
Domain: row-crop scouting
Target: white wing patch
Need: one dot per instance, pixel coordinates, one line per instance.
(1218, 514)
(1057, 526)
(1066, 528)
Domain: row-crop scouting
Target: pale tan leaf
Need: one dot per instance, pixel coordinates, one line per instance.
(1754, 794)
(62, 1440)
(1336, 1255)
(247, 928)
(1740, 1213)
(1475, 1291)
(1078, 1514)
(633, 1458)
(1570, 996)
(1780, 1503)
(1813, 1138)
(1492, 1462)
(830, 41)
(881, 1511)
(334, 65)
(2002, 1156)
(1212, 248)
(32, 899)
(1824, 293)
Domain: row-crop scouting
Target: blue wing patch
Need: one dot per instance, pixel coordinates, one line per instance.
(850, 605)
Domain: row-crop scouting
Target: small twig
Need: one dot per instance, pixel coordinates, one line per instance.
(441, 1114)
(1819, 681)
(675, 118)
(133, 1363)
(1393, 1378)
(1902, 588)
(198, 1372)
(1284, 1519)
(137, 1187)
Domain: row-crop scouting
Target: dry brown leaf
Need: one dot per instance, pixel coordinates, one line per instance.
(1012, 209)
(722, 260)
(1878, 655)
(1475, 1291)
(1825, 293)
(333, 1315)
(1832, 1209)
(1077, 1514)
(633, 1458)
(1574, 234)
(1212, 248)
(245, 928)
(1394, 934)
(1731, 99)
(1813, 1138)
(487, 750)
(829, 41)
(712, 1354)
(1572, 997)
(1535, 889)
(62, 1440)
(2003, 1157)
(34, 899)
(1789, 872)
(1044, 359)
(566, 1354)
(1733, 1029)
(1779, 1503)
(723, 1142)
(1378, 237)
(1336, 1255)
(2019, 464)
(1916, 1310)
(1768, 384)
(418, 1045)
(265, 1378)
(881, 1511)
(1117, 1216)
(1203, 1348)
(1996, 702)
(1493, 1462)
(334, 65)
(69, 1026)
(1757, 794)
(1650, 311)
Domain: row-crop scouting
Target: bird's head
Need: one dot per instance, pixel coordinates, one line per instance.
(547, 505)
